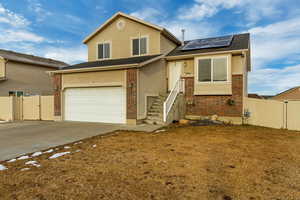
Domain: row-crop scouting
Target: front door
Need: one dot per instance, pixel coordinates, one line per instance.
(175, 69)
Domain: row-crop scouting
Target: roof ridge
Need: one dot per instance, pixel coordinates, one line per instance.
(32, 56)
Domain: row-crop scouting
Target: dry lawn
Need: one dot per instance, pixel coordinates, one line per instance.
(215, 162)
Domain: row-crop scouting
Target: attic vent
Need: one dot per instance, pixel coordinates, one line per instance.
(120, 24)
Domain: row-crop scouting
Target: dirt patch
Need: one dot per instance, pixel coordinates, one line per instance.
(205, 162)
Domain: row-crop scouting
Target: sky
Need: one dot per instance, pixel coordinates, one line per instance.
(56, 28)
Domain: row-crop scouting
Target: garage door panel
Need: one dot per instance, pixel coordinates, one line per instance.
(105, 104)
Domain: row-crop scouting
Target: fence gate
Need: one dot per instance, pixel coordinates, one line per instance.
(293, 115)
(47, 108)
(31, 108)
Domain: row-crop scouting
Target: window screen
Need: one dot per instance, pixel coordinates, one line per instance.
(204, 70)
(106, 50)
(220, 69)
(135, 47)
(143, 43)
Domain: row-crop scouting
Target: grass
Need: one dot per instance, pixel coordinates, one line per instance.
(214, 162)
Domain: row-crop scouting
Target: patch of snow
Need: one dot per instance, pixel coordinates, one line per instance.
(162, 130)
(12, 160)
(36, 154)
(94, 146)
(59, 155)
(2, 168)
(77, 150)
(49, 151)
(25, 169)
(23, 158)
(67, 147)
(32, 162)
(77, 142)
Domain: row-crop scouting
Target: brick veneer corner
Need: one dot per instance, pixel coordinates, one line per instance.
(131, 93)
(57, 94)
(205, 105)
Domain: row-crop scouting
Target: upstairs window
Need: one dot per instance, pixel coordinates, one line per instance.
(139, 46)
(212, 70)
(104, 50)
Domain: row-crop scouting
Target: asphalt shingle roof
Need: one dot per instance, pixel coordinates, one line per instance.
(112, 62)
(239, 41)
(30, 59)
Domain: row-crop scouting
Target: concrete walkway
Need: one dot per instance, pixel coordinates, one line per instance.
(19, 138)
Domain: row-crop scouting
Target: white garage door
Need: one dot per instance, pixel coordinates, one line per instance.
(105, 104)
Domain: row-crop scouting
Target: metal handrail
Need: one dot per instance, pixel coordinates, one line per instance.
(178, 87)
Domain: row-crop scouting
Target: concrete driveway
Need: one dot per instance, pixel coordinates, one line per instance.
(19, 138)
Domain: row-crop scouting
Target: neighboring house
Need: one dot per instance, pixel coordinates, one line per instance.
(256, 96)
(133, 65)
(290, 94)
(22, 74)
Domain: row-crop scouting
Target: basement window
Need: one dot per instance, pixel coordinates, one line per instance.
(139, 46)
(213, 69)
(104, 50)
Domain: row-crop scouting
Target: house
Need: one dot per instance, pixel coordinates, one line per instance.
(256, 96)
(137, 71)
(22, 74)
(290, 94)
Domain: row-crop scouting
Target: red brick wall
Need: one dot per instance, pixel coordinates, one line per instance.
(57, 94)
(206, 105)
(131, 93)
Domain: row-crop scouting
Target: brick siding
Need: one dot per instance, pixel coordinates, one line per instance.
(206, 105)
(57, 94)
(131, 93)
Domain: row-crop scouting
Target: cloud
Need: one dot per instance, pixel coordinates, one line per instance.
(36, 7)
(270, 81)
(275, 41)
(7, 36)
(70, 55)
(12, 19)
(193, 30)
(252, 10)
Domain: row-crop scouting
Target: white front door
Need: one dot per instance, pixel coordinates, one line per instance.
(103, 104)
(175, 69)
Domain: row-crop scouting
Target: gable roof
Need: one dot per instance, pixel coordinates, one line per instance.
(287, 91)
(30, 59)
(161, 29)
(239, 42)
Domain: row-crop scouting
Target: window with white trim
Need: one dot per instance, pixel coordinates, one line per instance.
(103, 50)
(139, 46)
(213, 69)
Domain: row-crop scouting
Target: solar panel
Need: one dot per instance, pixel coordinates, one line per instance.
(224, 41)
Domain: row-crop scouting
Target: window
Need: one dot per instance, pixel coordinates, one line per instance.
(16, 93)
(212, 69)
(104, 50)
(139, 46)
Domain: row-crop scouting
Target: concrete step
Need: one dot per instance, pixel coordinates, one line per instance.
(155, 118)
(147, 121)
(156, 113)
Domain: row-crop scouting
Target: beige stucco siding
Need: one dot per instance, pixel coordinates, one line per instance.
(28, 78)
(2, 68)
(166, 45)
(121, 39)
(94, 79)
(151, 82)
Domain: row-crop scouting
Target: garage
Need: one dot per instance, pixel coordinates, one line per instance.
(100, 104)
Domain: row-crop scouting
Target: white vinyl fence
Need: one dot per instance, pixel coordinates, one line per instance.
(271, 113)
